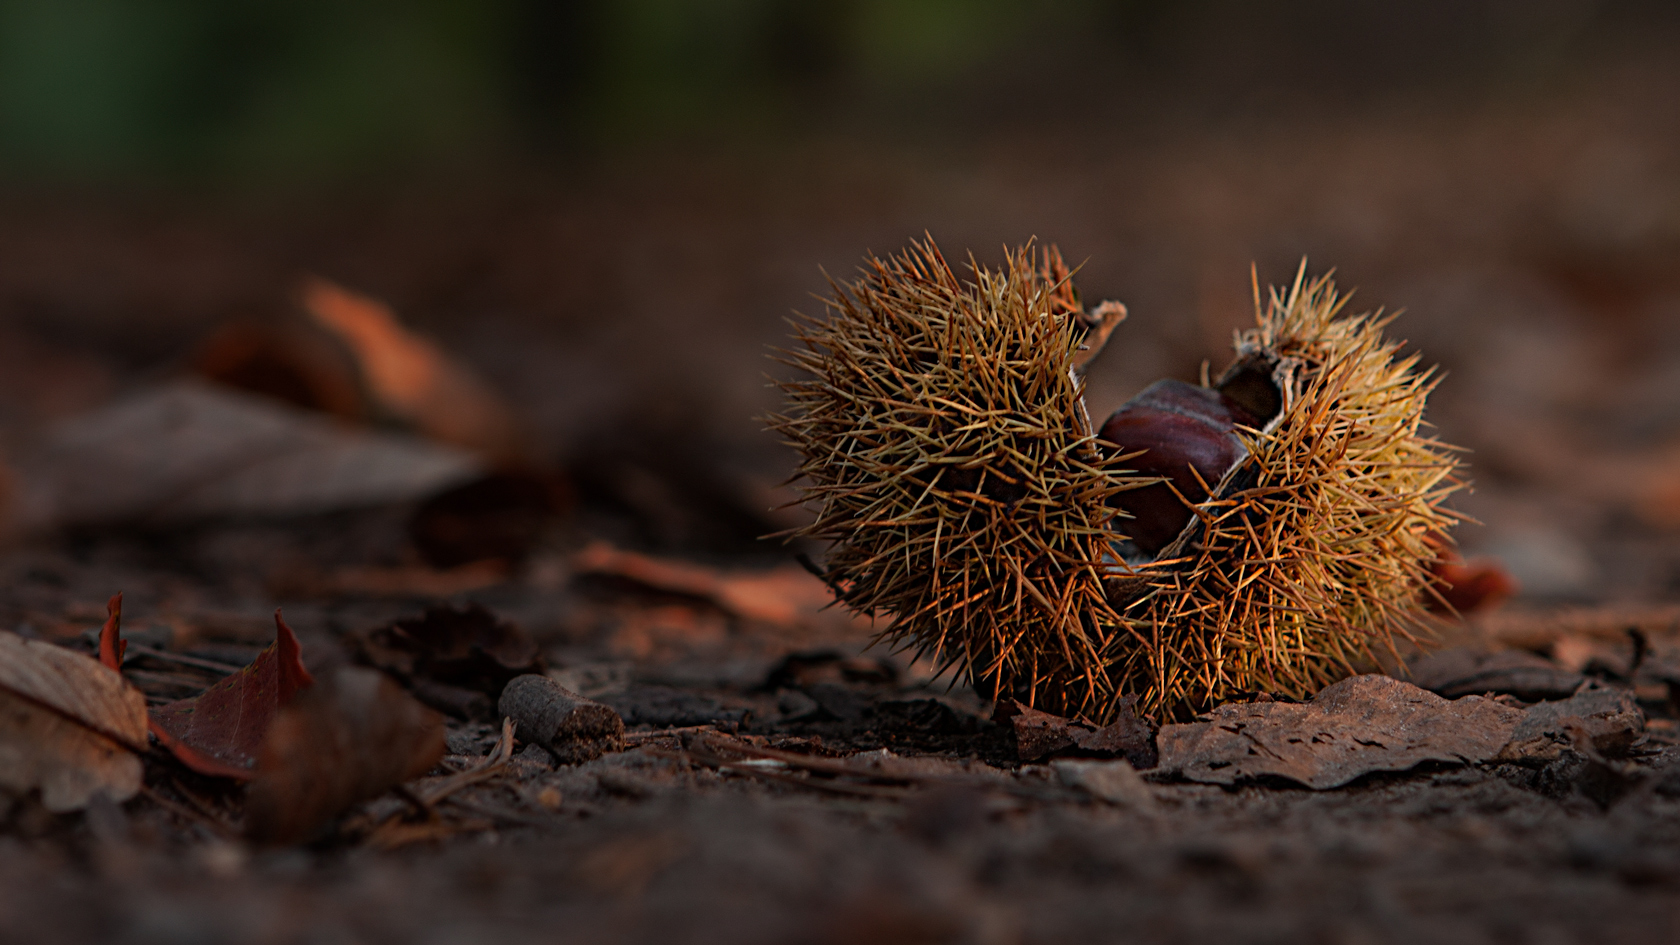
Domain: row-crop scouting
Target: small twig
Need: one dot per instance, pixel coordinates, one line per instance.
(491, 766)
(158, 677)
(190, 811)
(415, 801)
(390, 831)
(182, 658)
(633, 738)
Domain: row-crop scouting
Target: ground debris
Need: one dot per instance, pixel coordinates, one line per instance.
(784, 596)
(1350, 729)
(570, 727)
(1041, 735)
(456, 659)
(1601, 720)
(219, 731)
(1116, 782)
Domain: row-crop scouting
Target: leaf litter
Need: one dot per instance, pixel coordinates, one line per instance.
(794, 743)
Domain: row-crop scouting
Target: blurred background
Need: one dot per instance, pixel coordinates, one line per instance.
(607, 209)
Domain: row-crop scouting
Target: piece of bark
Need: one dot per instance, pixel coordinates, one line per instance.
(1353, 728)
(352, 736)
(572, 728)
(1126, 737)
(1607, 720)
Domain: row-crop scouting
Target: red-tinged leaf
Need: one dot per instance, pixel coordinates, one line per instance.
(1473, 586)
(111, 644)
(1462, 587)
(219, 731)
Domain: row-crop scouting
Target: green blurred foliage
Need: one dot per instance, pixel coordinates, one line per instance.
(100, 88)
(267, 89)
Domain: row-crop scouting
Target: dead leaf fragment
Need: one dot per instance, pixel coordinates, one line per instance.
(75, 686)
(292, 361)
(69, 726)
(68, 762)
(1350, 729)
(1041, 735)
(355, 736)
(1463, 587)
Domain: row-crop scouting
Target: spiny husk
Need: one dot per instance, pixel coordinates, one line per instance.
(955, 474)
(1311, 556)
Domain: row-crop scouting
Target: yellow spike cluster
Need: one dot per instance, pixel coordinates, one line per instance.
(952, 467)
(1311, 557)
(955, 476)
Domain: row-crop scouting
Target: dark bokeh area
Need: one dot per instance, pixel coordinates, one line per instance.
(609, 208)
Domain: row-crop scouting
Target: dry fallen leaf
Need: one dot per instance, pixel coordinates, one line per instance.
(410, 378)
(190, 450)
(1350, 729)
(68, 726)
(780, 596)
(354, 736)
(291, 360)
(218, 732)
(1465, 587)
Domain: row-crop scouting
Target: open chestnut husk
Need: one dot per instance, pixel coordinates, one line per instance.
(1269, 532)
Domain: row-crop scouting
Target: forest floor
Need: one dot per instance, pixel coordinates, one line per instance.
(782, 780)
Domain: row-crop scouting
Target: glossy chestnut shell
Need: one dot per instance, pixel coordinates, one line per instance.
(1181, 427)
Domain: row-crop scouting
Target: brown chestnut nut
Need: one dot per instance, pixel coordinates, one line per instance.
(1182, 427)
